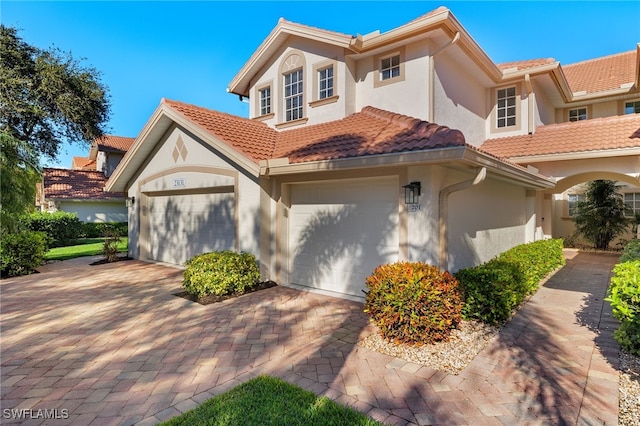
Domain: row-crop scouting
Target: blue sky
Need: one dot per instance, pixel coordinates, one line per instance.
(190, 51)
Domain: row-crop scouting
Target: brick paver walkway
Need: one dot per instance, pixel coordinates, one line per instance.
(110, 344)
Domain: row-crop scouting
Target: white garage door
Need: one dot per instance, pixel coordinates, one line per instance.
(340, 232)
(182, 226)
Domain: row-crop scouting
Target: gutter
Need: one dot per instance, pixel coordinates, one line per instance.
(443, 211)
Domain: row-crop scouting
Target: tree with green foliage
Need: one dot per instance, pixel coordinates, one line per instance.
(600, 217)
(47, 98)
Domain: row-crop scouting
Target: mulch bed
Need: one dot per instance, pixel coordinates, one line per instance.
(104, 261)
(212, 298)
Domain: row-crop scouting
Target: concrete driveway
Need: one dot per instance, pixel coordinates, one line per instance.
(111, 344)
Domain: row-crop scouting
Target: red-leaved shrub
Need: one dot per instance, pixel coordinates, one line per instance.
(413, 303)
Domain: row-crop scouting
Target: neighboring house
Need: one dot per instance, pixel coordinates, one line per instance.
(81, 189)
(362, 150)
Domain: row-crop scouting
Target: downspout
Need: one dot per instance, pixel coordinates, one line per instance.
(432, 101)
(443, 211)
(530, 100)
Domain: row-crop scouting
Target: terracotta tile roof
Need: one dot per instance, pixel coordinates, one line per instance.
(253, 138)
(114, 143)
(600, 74)
(428, 14)
(83, 163)
(572, 137)
(76, 185)
(521, 65)
(369, 132)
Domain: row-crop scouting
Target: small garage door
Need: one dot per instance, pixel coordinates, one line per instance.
(182, 226)
(341, 231)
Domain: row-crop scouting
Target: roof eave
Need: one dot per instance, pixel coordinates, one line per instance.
(161, 120)
(240, 83)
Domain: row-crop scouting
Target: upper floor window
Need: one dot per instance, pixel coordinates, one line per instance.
(632, 202)
(265, 101)
(577, 114)
(632, 107)
(390, 67)
(506, 108)
(325, 83)
(293, 95)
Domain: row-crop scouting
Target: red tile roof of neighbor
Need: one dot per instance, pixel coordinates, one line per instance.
(369, 132)
(76, 185)
(572, 137)
(114, 143)
(83, 163)
(606, 73)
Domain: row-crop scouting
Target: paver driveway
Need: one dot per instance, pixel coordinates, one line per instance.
(110, 344)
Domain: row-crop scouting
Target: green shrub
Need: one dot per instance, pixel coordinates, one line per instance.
(220, 273)
(491, 291)
(62, 228)
(624, 296)
(98, 230)
(536, 260)
(22, 253)
(631, 251)
(111, 242)
(412, 302)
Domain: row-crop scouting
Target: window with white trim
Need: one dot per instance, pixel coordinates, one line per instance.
(632, 107)
(325, 83)
(293, 95)
(390, 67)
(506, 107)
(632, 202)
(577, 114)
(265, 101)
(574, 199)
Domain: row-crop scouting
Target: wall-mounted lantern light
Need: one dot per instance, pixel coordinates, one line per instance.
(130, 201)
(412, 192)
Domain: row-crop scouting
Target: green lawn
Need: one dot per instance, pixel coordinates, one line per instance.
(267, 400)
(85, 247)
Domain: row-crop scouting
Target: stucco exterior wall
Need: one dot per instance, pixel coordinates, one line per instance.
(545, 112)
(459, 100)
(408, 96)
(96, 211)
(113, 159)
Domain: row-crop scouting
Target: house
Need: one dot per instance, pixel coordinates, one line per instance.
(362, 150)
(81, 189)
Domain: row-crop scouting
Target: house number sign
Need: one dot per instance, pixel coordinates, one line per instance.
(179, 182)
(414, 207)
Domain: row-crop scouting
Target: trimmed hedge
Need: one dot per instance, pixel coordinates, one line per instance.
(62, 228)
(412, 302)
(220, 273)
(491, 291)
(624, 296)
(22, 253)
(99, 230)
(631, 251)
